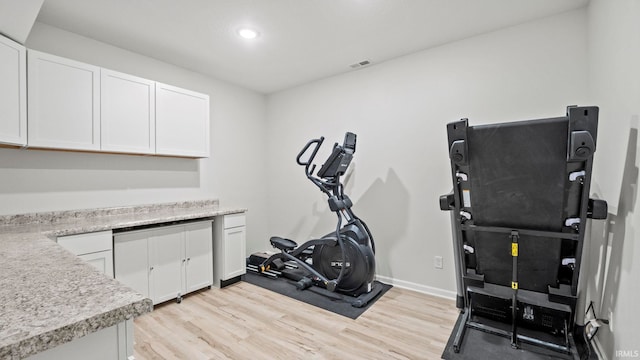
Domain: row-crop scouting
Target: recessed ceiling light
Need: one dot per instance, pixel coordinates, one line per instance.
(247, 33)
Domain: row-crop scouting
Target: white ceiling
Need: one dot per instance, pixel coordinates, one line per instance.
(300, 41)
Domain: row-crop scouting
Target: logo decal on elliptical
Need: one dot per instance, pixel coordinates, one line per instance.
(338, 264)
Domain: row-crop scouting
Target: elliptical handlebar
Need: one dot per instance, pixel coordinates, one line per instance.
(309, 161)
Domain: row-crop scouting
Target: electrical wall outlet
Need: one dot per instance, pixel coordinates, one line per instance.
(437, 262)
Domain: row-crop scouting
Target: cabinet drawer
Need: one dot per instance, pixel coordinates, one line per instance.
(87, 243)
(234, 220)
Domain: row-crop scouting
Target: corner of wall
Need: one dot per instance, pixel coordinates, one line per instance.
(17, 18)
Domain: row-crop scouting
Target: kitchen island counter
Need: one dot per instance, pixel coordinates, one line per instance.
(48, 296)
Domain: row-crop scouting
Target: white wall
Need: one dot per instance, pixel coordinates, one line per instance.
(52, 180)
(614, 74)
(399, 110)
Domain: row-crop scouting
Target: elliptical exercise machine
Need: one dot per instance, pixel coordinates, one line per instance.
(343, 260)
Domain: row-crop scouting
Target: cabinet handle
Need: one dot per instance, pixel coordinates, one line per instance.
(151, 268)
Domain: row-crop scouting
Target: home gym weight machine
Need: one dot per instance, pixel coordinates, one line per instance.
(342, 261)
(519, 210)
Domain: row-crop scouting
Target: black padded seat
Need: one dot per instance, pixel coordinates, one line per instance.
(282, 243)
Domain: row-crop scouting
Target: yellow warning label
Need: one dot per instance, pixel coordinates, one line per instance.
(514, 249)
(514, 285)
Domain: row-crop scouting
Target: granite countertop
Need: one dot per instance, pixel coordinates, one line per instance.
(48, 296)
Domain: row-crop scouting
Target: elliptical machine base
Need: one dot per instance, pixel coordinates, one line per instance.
(302, 280)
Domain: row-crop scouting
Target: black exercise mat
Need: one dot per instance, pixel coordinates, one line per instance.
(478, 344)
(314, 295)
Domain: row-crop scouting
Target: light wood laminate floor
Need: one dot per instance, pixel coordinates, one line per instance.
(243, 321)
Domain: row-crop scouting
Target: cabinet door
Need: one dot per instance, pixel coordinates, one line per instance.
(198, 247)
(63, 103)
(127, 121)
(102, 260)
(102, 344)
(166, 256)
(94, 248)
(13, 92)
(131, 260)
(182, 122)
(234, 252)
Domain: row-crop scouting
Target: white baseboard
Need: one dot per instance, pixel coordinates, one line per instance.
(447, 294)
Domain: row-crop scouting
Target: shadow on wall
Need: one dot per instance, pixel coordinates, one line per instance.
(610, 263)
(35, 171)
(384, 207)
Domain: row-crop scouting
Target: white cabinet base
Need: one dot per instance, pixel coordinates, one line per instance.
(229, 248)
(112, 343)
(95, 248)
(166, 262)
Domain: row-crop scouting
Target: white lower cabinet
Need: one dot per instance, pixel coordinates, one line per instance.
(95, 248)
(112, 343)
(199, 256)
(229, 247)
(166, 257)
(131, 260)
(166, 262)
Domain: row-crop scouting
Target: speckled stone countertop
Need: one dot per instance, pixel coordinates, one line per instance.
(48, 296)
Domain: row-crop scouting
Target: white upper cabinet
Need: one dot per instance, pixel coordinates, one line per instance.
(64, 103)
(182, 122)
(76, 106)
(13, 92)
(127, 113)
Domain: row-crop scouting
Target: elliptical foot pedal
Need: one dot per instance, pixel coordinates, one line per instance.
(282, 243)
(268, 273)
